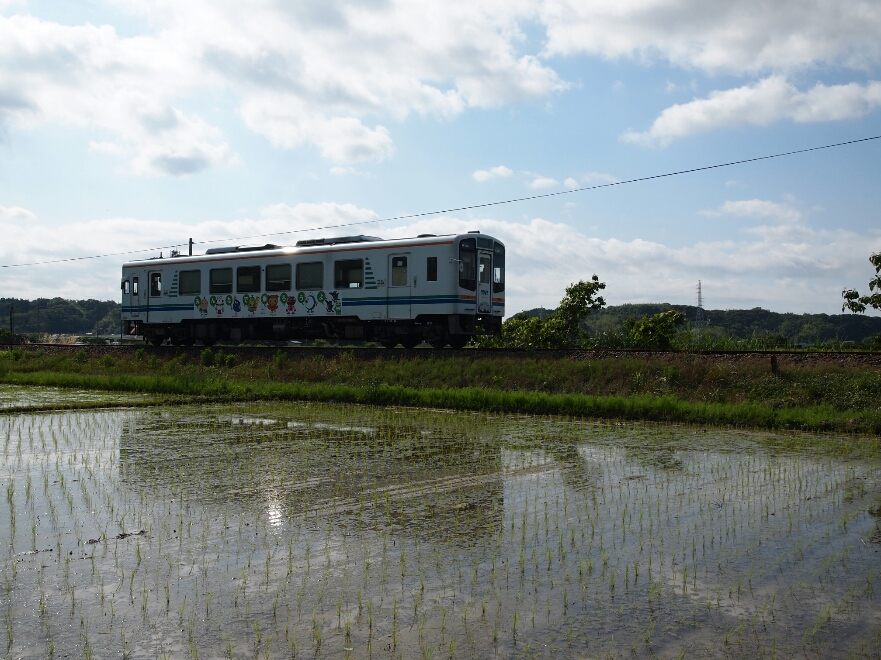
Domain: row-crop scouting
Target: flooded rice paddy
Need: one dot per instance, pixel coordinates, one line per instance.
(14, 397)
(328, 531)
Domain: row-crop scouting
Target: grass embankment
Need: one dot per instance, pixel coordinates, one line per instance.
(671, 387)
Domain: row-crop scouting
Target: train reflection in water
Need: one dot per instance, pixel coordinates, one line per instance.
(383, 474)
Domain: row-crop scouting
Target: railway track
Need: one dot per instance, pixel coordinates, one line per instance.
(246, 351)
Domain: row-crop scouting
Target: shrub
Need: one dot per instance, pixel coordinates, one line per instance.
(206, 357)
(654, 332)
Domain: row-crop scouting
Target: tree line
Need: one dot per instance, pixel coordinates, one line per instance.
(60, 316)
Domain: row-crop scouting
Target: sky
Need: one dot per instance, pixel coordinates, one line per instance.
(130, 126)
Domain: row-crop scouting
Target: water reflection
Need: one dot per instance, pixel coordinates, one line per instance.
(427, 481)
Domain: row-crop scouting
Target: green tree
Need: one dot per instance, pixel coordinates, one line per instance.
(857, 303)
(654, 332)
(559, 329)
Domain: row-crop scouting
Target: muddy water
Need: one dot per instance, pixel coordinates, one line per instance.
(272, 531)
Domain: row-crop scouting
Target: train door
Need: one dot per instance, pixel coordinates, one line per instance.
(154, 295)
(398, 290)
(130, 295)
(484, 283)
(139, 292)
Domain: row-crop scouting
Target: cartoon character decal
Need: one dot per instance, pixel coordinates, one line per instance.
(331, 302)
(307, 300)
(202, 305)
(252, 302)
(291, 303)
(219, 303)
(236, 305)
(271, 302)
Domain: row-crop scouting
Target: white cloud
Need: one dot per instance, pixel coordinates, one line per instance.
(769, 100)
(785, 265)
(737, 37)
(571, 183)
(14, 214)
(492, 173)
(286, 123)
(540, 182)
(309, 72)
(757, 208)
(86, 76)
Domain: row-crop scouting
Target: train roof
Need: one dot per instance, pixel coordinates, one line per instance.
(305, 246)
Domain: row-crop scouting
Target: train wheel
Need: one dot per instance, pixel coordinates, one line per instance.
(410, 342)
(439, 343)
(389, 344)
(209, 342)
(459, 341)
(157, 341)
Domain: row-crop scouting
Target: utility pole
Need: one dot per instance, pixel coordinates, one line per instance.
(12, 321)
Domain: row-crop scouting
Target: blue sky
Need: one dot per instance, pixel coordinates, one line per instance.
(131, 125)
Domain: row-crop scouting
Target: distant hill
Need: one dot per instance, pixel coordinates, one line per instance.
(745, 323)
(60, 316)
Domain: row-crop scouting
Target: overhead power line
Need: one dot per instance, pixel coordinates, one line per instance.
(471, 207)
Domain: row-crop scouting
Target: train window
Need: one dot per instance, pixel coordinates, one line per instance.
(248, 279)
(348, 274)
(485, 263)
(278, 277)
(498, 268)
(134, 286)
(155, 285)
(126, 288)
(310, 276)
(431, 270)
(399, 271)
(468, 264)
(189, 282)
(220, 280)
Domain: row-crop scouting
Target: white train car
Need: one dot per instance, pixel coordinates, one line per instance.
(439, 289)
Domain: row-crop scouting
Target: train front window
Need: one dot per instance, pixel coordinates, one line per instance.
(134, 286)
(485, 262)
(278, 277)
(220, 280)
(468, 264)
(498, 268)
(126, 287)
(248, 279)
(348, 274)
(155, 285)
(189, 283)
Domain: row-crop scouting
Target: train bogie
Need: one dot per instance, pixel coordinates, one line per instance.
(439, 289)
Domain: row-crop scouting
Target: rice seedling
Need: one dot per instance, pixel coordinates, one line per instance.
(217, 525)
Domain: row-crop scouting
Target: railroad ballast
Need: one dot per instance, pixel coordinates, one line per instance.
(439, 289)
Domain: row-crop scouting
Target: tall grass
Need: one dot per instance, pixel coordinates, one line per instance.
(227, 385)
